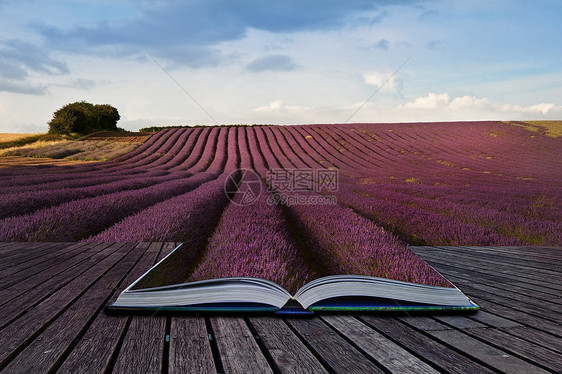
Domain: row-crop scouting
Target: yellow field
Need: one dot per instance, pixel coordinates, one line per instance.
(548, 128)
(8, 137)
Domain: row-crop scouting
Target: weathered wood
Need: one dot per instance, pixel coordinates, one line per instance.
(337, 353)
(492, 319)
(524, 318)
(387, 353)
(190, 350)
(432, 351)
(517, 273)
(423, 323)
(143, 346)
(93, 352)
(535, 336)
(502, 284)
(531, 352)
(11, 266)
(529, 298)
(460, 322)
(287, 351)
(54, 320)
(55, 340)
(21, 296)
(496, 358)
(24, 328)
(21, 251)
(239, 351)
(522, 303)
(23, 274)
(511, 278)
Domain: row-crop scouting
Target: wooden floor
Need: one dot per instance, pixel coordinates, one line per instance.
(52, 319)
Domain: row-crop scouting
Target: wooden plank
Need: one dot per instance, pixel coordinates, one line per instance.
(29, 258)
(516, 255)
(427, 349)
(521, 304)
(26, 266)
(239, 351)
(23, 249)
(387, 353)
(29, 250)
(491, 273)
(534, 353)
(460, 322)
(24, 295)
(143, 345)
(41, 275)
(493, 320)
(535, 336)
(23, 329)
(64, 267)
(166, 249)
(52, 343)
(505, 260)
(496, 358)
(190, 350)
(523, 318)
(502, 284)
(518, 273)
(29, 268)
(93, 352)
(335, 351)
(504, 292)
(287, 351)
(476, 272)
(423, 323)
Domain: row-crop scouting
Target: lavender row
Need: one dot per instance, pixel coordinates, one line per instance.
(253, 241)
(81, 218)
(526, 229)
(343, 242)
(420, 227)
(16, 204)
(339, 241)
(189, 217)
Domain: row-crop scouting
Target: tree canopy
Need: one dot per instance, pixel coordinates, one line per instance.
(84, 118)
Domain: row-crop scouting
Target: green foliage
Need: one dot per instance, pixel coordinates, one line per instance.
(83, 118)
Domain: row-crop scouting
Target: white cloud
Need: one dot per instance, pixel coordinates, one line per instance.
(543, 108)
(467, 101)
(431, 101)
(377, 78)
(277, 106)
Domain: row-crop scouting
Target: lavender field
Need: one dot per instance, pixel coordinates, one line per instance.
(469, 183)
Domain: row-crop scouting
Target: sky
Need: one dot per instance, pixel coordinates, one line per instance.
(164, 63)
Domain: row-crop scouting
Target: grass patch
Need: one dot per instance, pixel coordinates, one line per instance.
(72, 150)
(548, 128)
(17, 140)
(21, 140)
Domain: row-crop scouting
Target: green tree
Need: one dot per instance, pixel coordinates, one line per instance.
(83, 118)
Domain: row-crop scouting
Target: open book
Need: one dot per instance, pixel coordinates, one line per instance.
(158, 290)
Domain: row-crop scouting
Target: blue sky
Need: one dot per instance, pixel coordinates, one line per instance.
(281, 62)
